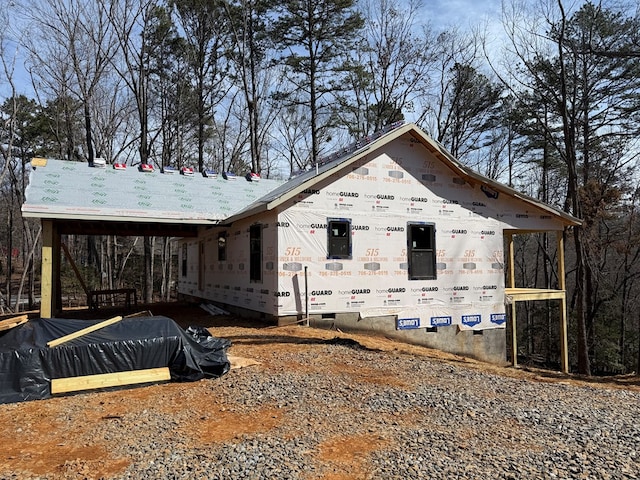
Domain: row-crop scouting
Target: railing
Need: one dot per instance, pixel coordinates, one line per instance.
(110, 297)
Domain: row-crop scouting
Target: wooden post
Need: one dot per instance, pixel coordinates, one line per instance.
(48, 283)
(564, 344)
(512, 284)
(512, 268)
(514, 335)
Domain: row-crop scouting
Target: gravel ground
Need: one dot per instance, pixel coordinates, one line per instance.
(327, 408)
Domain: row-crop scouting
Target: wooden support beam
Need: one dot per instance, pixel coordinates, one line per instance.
(564, 343)
(523, 294)
(106, 380)
(512, 282)
(515, 295)
(514, 335)
(47, 286)
(84, 331)
(75, 269)
(512, 263)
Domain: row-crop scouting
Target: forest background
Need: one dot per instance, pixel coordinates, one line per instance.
(548, 105)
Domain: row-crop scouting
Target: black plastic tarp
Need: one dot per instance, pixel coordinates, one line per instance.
(27, 364)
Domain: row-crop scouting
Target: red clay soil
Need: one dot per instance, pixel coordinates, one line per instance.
(32, 435)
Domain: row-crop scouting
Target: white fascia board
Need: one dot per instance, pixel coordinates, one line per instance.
(107, 218)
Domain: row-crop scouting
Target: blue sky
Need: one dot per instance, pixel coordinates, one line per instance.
(463, 13)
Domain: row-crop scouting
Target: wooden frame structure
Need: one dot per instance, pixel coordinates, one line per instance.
(515, 294)
(53, 248)
(103, 380)
(50, 289)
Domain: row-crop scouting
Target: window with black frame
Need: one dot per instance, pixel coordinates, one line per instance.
(222, 246)
(339, 238)
(421, 250)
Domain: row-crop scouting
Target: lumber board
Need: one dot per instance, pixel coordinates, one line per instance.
(523, 294)
(83, 331)
(241, 362)
(106, 380)
(9, 323)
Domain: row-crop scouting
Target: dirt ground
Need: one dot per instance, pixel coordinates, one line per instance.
(29, 435)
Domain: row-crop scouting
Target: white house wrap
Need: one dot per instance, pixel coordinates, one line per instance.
(395, 228)
(390, 234)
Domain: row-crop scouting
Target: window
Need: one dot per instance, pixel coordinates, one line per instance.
(184, 259)
(421, 248)
(202, 264)
(255, 253)
(222, 246)
(339, 238)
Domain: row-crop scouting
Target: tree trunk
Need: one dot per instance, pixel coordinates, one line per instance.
(166, 269)
(9, 251)
(148, 270)
(570, 157)
(28, 271)
(88, 133)
(584, 363)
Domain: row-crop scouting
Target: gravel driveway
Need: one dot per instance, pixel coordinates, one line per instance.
(321, 405)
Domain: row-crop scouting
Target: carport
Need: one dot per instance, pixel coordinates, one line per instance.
(73, 198)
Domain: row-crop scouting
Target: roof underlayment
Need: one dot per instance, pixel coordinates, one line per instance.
(73, 190)
(345, 157)
(66, 190)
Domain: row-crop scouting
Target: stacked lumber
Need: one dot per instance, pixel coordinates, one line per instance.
(12, 322)
(104, 380)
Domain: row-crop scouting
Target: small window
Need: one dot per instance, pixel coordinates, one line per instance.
(421, 248)
(339, 238)
(222, 246)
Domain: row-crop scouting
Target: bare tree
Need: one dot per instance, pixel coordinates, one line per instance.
(589, 121)
(205, 28)
(461, 108)
(397, 59)
(132, 21)
(7, 160)
(248, 31)
(292, 141)
(73, 51)
(230, 136)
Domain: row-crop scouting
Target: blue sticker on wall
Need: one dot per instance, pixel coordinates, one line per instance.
(471, 320)
(407, 323)
(498, 318)
(440, 321)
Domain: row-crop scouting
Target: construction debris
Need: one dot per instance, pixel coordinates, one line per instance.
(12, 322)
(213, 310)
